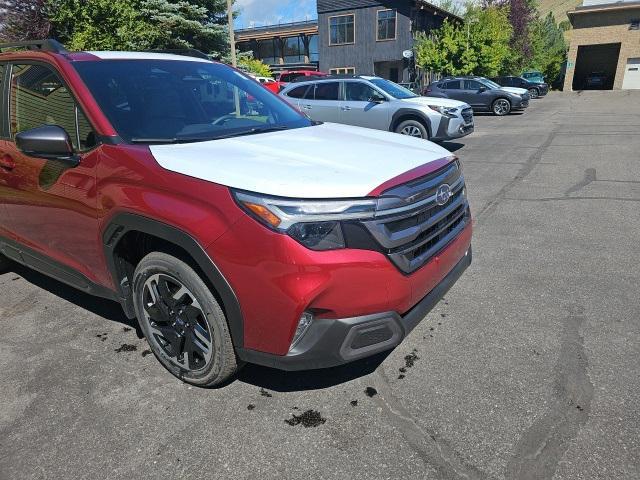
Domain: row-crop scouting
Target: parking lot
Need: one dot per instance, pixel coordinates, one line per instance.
(528, 369)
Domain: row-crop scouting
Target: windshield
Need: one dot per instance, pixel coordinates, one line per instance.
(393, 89)
(172, 101)
(489, 83)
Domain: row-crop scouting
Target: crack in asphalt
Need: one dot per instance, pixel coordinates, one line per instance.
(533, 160)
(541, 447)
(432, 450)
(564, 199)
(589, 177)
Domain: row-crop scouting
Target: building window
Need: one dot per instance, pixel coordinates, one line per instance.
(269, 51)
(313, 48)
(343, 71)
(293, 50)
(342, 29)
(386, 25)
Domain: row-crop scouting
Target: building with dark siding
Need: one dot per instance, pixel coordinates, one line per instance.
(368, 37)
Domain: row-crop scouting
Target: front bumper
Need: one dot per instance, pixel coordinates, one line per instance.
(452, 128)
(333, 342)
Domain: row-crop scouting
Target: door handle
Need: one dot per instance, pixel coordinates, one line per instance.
(346, 109)
(307, 107)
(6, 162)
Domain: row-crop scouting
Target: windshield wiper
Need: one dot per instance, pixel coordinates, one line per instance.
(168, 140)
(251, 131)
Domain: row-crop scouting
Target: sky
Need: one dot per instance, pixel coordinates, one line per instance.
(269, 12)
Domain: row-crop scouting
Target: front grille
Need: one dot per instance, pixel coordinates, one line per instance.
(411, 227)
(467, 114)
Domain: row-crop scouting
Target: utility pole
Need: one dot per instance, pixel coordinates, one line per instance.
(234, 60)
(232, 38)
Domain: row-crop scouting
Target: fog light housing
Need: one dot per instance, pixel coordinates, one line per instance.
(303, 325)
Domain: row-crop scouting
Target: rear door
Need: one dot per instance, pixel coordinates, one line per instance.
(359, 109)
(296, 95)
(51, 207)
(453, 89)
(322, 102)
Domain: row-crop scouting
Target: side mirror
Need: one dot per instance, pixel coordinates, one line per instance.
(482, 89)
(50, 142)
(377, 98)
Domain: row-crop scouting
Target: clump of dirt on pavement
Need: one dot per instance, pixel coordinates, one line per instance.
(126, 347)
(310, 418)
(264, 393)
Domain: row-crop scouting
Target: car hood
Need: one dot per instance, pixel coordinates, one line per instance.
(516, 90)
(323, 161)
(441, 102)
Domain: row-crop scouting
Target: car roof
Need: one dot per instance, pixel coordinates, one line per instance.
(47, 48)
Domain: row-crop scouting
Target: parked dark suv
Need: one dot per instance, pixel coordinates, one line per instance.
(536, 89)
(478, 92)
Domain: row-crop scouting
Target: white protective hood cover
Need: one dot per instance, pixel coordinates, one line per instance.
(324, 161)
(516, 90)
(441, 102)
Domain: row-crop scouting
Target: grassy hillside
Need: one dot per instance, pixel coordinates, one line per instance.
(559, 8)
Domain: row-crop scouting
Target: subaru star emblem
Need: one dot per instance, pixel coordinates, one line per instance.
(443, 194)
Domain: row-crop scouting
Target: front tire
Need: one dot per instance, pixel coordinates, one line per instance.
(413, 128)
(534, 92)
(182, 321)
(501, 107)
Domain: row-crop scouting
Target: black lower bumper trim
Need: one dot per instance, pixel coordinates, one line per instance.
(329, 343)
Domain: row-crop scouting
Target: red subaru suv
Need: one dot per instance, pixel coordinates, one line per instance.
(233, 227)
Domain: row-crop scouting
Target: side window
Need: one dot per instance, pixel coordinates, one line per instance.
(358, 92)
(298, 92)
(327, 91)
(454, 85)
(472, 85)
(38, 97)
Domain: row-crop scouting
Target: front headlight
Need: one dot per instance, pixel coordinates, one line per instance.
(446, 111)
(313, 223)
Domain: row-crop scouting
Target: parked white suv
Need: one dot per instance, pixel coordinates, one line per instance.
(374, 102)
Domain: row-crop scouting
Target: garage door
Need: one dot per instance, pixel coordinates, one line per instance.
(632, 74)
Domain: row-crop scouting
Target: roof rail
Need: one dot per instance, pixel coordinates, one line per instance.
(313, 78)
(185, 52)
(46, 45)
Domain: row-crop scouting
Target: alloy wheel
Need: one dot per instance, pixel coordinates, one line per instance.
(412, 131)
(177, 322)
(533, 92)
(501, 107)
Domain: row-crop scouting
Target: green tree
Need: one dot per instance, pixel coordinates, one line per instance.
(253, 65)
(140, 24)
(100, 24)
(479, 46)
(548, 46)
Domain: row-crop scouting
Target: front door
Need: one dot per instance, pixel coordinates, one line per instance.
(475, 93)
(52, 209)
(359, 109)
(6, 162)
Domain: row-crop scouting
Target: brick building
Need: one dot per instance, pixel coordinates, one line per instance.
(605, 42)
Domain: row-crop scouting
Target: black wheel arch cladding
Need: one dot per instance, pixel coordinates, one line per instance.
(124, 223)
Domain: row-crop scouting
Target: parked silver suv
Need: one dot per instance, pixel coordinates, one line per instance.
(374, 102)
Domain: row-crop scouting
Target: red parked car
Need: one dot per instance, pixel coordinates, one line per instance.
(287, 77)
(230, 225)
